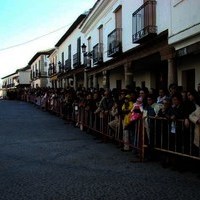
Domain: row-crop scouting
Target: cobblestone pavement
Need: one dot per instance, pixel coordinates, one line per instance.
(41, 158)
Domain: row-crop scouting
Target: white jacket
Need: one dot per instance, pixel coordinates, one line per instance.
(194, 117)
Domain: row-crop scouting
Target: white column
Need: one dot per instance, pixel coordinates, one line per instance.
(128, 74)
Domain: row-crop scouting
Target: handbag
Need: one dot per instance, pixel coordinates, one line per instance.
(135, 114)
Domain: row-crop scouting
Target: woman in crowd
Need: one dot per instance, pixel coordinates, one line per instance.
(126, 108)
(195, 118)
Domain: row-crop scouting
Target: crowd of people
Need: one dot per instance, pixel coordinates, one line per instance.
(180, 110)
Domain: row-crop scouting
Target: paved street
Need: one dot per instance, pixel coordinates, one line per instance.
(41, 158)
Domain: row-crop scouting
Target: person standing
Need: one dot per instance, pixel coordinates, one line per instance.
(195, 118)
(126, 111)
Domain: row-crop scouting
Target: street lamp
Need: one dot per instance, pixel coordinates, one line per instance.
(60, 66)
(83, 47)
(86, 54)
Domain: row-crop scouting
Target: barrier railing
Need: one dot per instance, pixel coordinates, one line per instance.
(100, 124)
(157, 134)
(172, 136)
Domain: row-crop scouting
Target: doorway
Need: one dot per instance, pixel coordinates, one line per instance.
(188, 79)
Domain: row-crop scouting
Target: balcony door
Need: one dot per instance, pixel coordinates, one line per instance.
(188, 79)
(69, 56)
(100, 45)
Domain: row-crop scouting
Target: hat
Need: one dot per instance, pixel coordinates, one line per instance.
(128, 96)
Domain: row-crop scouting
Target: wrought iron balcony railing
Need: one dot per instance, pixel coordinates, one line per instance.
(87, 59)
(68, 65)
(76, 60)
(49, 71)
(52, 69)
(10, 85)
(114, 42)
(98, 53)
(144, 22)
(33, 74)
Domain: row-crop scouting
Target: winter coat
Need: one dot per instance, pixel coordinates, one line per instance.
(194, 117)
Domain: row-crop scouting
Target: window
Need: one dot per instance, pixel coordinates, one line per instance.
(62, 58)
(69, 52)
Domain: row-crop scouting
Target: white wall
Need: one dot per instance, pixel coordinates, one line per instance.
(24, 77)
(187, 65)
(163, 13)
(116, 76)
(128, 8)
(143, 76)
(70, 40)
(185, 21)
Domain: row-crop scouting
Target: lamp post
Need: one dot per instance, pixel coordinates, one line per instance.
(87, 63)
(87, 56)
(83, 47)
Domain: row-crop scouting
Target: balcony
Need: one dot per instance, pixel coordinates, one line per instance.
(87, 59)
(38, 74)
(52, 69)
(98, 53)
(115, 42)
(68, 65)
(61, 67)
(33, 75)
(76, 60)
(10, 85)
(144, 22)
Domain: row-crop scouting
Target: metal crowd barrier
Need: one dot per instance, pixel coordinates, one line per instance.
(99, 124)
(172, 137)
(158, 134)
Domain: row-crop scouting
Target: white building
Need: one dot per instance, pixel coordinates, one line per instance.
(66, 67)
(39, 69)
(129, 42)
(145, 43)
(184, 35)
(19, 79)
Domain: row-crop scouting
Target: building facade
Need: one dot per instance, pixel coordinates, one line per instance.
(39, 69)
(129, 44)
(184, 35)
(19, 79)
(66, 69)
(119, 44)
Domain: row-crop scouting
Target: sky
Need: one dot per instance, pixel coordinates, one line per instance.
(29, 26)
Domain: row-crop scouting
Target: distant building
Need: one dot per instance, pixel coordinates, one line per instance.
(39, 68)
(19, 79)
(66, 67)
